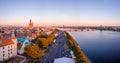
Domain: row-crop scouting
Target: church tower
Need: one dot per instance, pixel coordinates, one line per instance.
(30, 25)
(14, 39)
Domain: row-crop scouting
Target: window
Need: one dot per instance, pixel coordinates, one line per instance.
(3, 51)
(3, 55)
(3, 47)
(3, 59)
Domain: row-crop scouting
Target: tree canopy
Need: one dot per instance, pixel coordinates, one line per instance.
(33, 51)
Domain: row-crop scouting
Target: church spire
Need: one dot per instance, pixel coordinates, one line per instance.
(30, 21)
(31, 25)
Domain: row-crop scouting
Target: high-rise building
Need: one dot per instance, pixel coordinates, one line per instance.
(31, 25)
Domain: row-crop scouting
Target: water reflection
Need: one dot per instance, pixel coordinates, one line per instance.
(99, 46)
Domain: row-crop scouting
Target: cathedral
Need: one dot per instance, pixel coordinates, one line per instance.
(31, 25)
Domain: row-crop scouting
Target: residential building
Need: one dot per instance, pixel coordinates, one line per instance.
(8, 47)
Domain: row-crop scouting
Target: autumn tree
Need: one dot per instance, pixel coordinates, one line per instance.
(43, 36)
(43, 42)
(80, 56)
(50, 39)
(33, 51)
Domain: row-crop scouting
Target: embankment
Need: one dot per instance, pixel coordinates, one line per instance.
(73, 45)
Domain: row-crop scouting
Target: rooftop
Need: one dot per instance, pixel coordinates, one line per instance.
(5, 41)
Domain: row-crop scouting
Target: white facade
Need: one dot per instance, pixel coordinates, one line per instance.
(7, 52)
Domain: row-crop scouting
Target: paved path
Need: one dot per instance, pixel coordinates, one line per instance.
(57, 50)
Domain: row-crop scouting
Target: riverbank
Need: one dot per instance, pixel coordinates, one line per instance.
(91, 42)
(78, 52)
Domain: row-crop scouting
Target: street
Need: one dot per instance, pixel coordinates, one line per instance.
(58, 49)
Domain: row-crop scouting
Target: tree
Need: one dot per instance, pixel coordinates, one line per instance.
(50, 39)
(80, 57)
(43, 36)
(55, 30)
(38, 42)
(33, 51)
(44, 42)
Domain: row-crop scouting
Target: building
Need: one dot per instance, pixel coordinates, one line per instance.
(8, 48)
(31, 25)
(64, 60)
(22, 43)
(30, 36)
(38, 31)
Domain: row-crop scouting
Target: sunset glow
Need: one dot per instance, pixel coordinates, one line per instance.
(60, 12)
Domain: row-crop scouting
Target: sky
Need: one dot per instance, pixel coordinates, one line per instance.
(60, 12)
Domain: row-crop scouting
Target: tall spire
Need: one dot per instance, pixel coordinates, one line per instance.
(30, 21)
(31, 25)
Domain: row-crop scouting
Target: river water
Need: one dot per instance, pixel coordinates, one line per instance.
(99, 46)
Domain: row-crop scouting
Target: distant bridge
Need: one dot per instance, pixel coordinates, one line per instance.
(88, 28)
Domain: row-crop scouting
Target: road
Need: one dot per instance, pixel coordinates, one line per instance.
(58, 49)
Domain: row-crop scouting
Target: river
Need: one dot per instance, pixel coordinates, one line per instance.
(99, 46)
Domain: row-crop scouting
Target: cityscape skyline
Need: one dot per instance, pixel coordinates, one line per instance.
(60, 12)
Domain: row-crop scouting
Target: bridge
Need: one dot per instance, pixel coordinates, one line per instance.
(90, 28)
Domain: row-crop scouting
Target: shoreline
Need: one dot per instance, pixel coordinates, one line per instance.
(89, 61)
(78, 52)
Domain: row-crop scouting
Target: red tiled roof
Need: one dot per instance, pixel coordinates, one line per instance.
(14, 37)
(33, 35)
(5, 41)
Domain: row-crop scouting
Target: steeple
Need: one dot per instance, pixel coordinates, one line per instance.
(30, 21)
(31, 25)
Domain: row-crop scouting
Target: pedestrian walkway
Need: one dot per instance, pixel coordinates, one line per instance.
(57, 49)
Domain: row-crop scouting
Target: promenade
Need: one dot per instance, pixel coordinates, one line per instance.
(58, 49)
